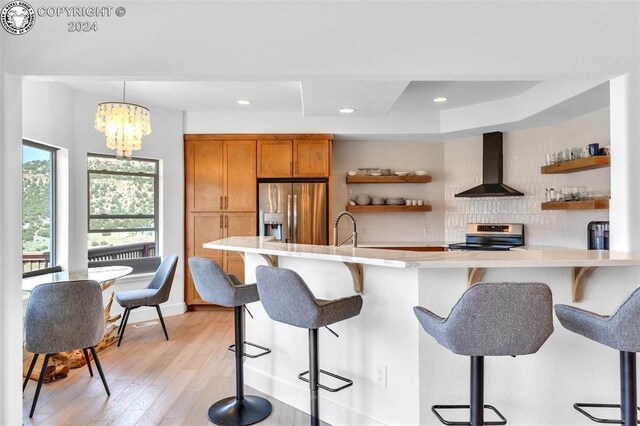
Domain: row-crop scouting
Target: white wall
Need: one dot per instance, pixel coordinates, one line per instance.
(403, 156)
(58, 116)
(10, 253)
(524, 154)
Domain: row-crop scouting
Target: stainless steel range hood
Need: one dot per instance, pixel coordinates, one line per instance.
(492, 185)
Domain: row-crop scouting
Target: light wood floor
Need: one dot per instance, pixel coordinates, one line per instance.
(153, 381)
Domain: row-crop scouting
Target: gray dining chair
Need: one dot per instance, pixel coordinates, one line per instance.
(157, 292)
(60, 317)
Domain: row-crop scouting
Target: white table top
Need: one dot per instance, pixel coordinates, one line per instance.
(102, 274)
(449, 259)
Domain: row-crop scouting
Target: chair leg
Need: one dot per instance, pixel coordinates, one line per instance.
(629, 401)
(124, 325)
(40, 380)
(124, 316)
(86, 358)
(29, 371)
(97, 361)
(313, 376)
(477, 391)
(162, 322)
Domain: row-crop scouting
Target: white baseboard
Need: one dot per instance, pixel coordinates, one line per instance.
(147, 313)
(298, 396)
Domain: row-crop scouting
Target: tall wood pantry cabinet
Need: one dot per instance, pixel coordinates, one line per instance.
(220, 200)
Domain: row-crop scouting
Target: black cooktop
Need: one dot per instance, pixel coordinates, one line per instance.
(479, 246)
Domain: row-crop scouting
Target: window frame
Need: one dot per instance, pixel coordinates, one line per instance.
(53, 203)
(140, 266)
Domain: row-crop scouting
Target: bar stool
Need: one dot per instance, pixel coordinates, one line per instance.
(287, 299)
(620, 331)
(215, 286)
(490, 319)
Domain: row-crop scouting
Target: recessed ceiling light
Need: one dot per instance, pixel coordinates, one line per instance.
(347, 110)
(440, 99)
(244, 102)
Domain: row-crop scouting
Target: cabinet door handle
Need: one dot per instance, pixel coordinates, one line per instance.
(226, 222)
(221, 205)
(220, 221)
(226, 202)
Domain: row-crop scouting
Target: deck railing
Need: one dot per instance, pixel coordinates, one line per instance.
(32, 261)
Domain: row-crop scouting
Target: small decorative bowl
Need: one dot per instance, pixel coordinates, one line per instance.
(420, 172)
(352, 173)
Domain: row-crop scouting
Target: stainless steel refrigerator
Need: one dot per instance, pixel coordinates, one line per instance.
(293, 211)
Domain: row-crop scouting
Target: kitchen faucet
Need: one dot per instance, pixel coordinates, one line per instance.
(354, 235)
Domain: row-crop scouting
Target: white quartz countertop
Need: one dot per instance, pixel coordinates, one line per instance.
(557, 257)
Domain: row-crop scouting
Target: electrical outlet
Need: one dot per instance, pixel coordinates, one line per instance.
(380, 375)
(427, 230)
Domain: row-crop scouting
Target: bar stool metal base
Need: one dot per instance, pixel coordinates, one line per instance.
(580, 407)
(434, 409)
(628, 395)
(232, 412)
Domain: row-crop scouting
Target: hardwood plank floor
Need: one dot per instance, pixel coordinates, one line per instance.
(152, 381)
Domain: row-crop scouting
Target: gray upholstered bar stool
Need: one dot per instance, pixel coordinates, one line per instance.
(620, 331)
(491, 319)
(215, 286)
(286, 298)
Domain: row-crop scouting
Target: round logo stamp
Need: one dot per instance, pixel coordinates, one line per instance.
(17, 17)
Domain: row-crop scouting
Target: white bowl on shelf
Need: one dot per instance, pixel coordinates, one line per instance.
(401, 173)
(420, 172)
(352, 173)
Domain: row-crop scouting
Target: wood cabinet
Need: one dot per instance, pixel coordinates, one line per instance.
(311, 158)
(220, 175)
(220, 201)
(294, 158)
(204, 227)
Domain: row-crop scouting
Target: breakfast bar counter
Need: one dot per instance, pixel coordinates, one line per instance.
(416, 371)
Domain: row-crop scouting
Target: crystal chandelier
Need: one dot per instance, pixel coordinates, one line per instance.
(123, 124)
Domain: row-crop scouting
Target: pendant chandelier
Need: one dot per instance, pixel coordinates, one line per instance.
(123, 124)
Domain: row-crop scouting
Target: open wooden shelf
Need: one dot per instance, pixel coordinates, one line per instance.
(388, 179)
(387, 208)
(578, 165)
(600, 204)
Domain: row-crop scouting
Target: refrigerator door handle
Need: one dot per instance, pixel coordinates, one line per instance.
(295, 219)
(288, 218)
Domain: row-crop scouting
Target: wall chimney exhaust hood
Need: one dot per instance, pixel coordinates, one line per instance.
(492, 185)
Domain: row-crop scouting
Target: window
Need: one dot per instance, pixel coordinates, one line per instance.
(38, 207)
(123, 210)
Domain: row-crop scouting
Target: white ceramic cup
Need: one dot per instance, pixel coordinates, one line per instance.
(414, 202)
(407, 202)
(420, 202)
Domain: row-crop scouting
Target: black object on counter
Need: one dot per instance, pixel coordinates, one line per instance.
(598, 235)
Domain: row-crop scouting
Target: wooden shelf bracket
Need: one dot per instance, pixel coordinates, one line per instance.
(356, 276)
(579, 275)
(270, 259)
(474, 276)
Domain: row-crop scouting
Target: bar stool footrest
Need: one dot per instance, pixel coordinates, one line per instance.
(580, 407)
(264, 352)
(327, 373)
(435, 408)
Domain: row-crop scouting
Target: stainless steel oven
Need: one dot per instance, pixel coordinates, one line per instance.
(491, 237)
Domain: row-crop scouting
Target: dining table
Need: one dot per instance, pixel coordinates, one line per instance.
(103, 275)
